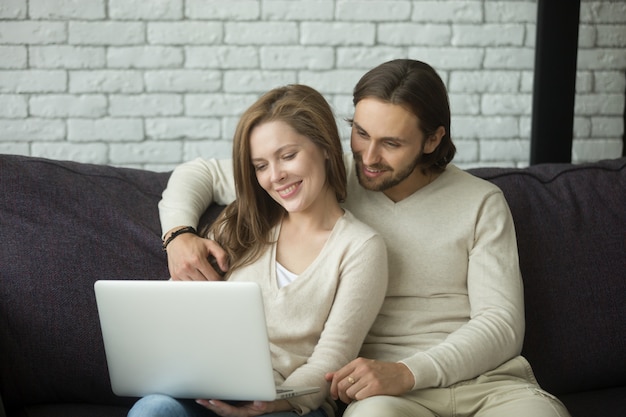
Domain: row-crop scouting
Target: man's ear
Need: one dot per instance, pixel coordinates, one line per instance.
(434, 140)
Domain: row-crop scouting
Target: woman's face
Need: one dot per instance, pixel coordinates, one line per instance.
(289, 166)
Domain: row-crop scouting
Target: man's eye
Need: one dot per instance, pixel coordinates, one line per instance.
(391, 144)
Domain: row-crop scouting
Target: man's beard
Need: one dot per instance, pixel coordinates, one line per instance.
(383, 183)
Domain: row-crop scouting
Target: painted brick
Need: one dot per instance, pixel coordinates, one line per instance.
(497, 127)
(339, 33)
(221, 57)
(33, 81)
(488, 35)
(217, 105)
(589, 150)
(450, 58)
(68, 105)
(66, 9)
(609, 81)
(464, 104)
(222, 10)
(89, 153)
(586, 36)
(367, 57)
(32, 32)
(297, 57)
(15, 148)
(182, 128)
(106, 33)
(207, 149)
(506, 104)
(601, 59)
(297, 9)
(239, 81)
(605, 127)
(13, 106)
(508, 150)
(591, 104)
(182, 81)
(447, 11)
(13, 57)
(106, 81)
(144, 57)
(65, 56)
(484, 81)
(149, 10)
(145, 152)
(509, 58)
(146, 105)
(413, 34)
(603, 12)
(184, 33)
(13, 9)
(331, 82)
(111, 129)
(582, 127)
(260, 33)
(373, 10)
(31, 129)
(510, 11)
(611, 36)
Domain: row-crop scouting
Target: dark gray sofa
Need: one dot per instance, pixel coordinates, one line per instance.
(64, 225)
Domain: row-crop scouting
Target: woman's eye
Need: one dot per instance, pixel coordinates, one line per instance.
(259, 167)
(289, 156)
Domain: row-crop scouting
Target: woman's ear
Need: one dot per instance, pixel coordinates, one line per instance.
(434, 140)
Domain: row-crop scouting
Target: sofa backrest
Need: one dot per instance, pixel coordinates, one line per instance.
(571, 230)
(64, 225)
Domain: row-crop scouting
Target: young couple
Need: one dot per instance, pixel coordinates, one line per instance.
(448, 337)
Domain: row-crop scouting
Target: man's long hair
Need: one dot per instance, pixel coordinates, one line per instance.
(417, 87)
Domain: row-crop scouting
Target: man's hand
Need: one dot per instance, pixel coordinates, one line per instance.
(363, 378)
(246, 409)
(188, 258)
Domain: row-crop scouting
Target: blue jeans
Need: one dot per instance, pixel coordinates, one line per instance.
(164, 406)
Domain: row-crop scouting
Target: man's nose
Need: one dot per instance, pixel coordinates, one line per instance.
(370, 154)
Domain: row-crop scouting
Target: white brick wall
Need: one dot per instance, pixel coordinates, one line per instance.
(154, 83)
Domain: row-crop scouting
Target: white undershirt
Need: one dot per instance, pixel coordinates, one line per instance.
(284, 276)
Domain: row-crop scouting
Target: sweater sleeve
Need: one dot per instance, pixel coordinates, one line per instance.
(191, 188)
(359, 296)
(495, 330)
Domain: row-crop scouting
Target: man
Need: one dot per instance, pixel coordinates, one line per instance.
(448, 337)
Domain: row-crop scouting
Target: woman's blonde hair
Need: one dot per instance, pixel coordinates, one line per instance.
(243, 228)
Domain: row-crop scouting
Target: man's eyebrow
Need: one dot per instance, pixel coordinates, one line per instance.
(393, 138)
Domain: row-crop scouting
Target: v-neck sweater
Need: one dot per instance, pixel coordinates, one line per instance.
(317, 323)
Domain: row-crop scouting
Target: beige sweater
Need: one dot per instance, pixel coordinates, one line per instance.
(454, 307)
(317, 323)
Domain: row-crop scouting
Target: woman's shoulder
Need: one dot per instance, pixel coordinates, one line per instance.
(354, 227)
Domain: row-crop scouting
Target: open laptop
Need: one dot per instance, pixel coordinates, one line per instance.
(188, 340)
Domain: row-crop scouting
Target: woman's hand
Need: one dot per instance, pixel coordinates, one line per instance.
(188, 258)
(245, 409)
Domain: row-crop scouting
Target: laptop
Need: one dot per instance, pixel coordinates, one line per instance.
(188, 340)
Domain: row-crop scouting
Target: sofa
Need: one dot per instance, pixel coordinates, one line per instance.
(64, 225)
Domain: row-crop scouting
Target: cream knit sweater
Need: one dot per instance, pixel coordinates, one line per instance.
(454, 307)
(317, 323)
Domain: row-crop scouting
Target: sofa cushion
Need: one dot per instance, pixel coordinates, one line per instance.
(64, 226)
(571, 230)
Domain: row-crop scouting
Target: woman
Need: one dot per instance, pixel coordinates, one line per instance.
(322, 272)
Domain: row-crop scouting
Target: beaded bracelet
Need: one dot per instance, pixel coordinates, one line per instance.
(187, 229)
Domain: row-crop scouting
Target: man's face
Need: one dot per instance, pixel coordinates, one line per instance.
(387, 145)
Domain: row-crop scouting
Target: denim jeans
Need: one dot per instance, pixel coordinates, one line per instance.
(164, 406)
